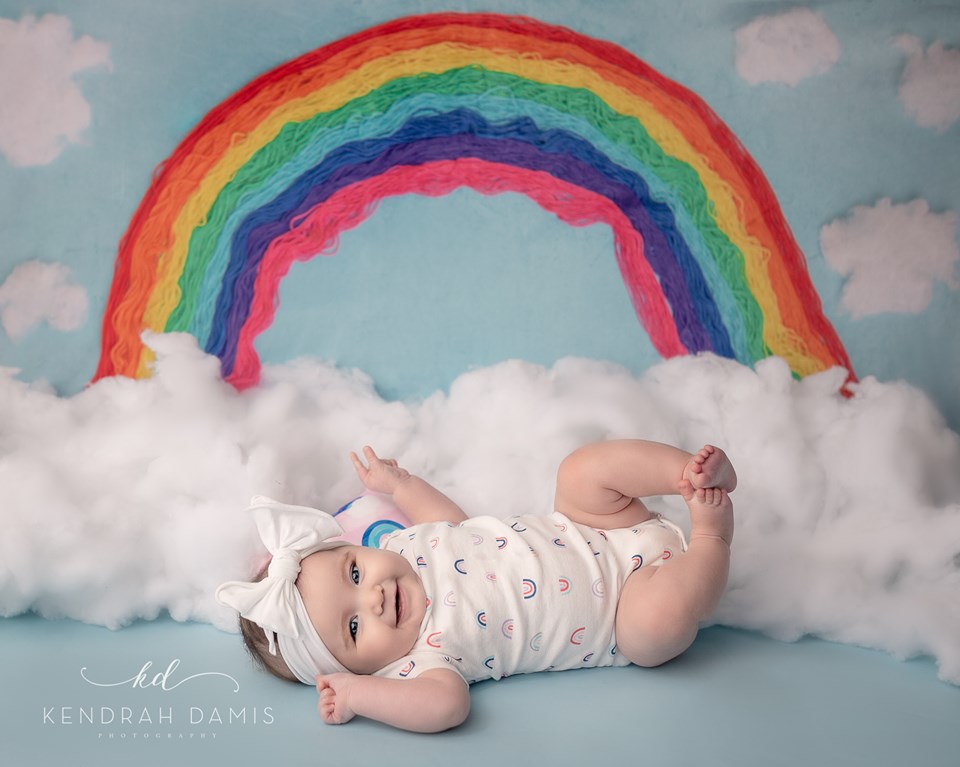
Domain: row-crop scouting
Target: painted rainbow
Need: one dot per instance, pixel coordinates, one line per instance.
(431, 103)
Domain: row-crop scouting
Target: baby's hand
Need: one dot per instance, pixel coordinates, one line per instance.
(334, 706)
(381, 476)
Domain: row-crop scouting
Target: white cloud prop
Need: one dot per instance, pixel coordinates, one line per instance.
(43, 107)
(126, 499)
(38, 292)
(785, 48)
(892, 254)
(930, 83)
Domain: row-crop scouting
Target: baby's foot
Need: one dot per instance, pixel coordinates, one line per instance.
(710, 467)
(711, 511)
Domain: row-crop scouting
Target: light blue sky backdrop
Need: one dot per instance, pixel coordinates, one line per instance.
(428, 288)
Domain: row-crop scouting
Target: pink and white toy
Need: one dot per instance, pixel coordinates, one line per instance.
(369, 518)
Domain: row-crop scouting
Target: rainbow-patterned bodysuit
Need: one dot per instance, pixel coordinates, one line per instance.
(523, 594)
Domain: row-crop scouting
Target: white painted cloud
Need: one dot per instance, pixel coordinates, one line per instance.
(38, 292)
(930, 83)
(43, 107)
(892, 255)
(785, 48)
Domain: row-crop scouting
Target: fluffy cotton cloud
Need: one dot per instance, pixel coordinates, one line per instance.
(930, 84)
(124, 500)
(892, 254)
(41, 292)
(785, 48)
(43, 107)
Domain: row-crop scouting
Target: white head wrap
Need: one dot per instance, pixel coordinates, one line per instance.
(290, 533)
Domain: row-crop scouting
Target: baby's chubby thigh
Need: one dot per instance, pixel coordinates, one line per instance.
(653, 624)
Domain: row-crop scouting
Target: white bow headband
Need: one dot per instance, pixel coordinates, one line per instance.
(290, 533)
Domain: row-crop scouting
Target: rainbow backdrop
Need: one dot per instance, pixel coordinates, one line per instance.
(431, 103)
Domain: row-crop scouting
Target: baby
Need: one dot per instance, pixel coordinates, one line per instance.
(398, 634)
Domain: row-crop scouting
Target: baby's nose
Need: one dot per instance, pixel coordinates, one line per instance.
(376, 599)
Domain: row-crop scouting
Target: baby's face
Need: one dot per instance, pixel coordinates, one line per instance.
(366, 604)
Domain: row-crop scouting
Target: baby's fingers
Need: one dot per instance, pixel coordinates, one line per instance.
(327, 712)
(327, 705)
(361, 470)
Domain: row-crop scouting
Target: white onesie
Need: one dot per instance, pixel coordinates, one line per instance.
(522, 594)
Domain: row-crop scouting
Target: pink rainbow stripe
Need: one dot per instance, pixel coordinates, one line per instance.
(318, 232)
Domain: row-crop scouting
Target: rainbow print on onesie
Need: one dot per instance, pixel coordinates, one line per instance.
(432, 103)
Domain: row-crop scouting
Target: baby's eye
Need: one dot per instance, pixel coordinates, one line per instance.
(353, 628)
(355, 573)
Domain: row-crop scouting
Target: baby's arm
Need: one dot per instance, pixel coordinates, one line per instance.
(435, 701)
(417, 498)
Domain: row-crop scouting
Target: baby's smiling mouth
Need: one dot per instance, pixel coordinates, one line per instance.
(397, 606)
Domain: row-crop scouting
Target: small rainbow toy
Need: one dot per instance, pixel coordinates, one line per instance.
(369, 519)
(431, 103)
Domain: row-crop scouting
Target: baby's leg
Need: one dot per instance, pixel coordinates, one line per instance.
(599, 484)
(660, 608)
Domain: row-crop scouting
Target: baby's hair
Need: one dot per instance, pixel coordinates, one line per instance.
(255, 640)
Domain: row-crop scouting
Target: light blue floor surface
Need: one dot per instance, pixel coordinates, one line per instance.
(735, 698)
